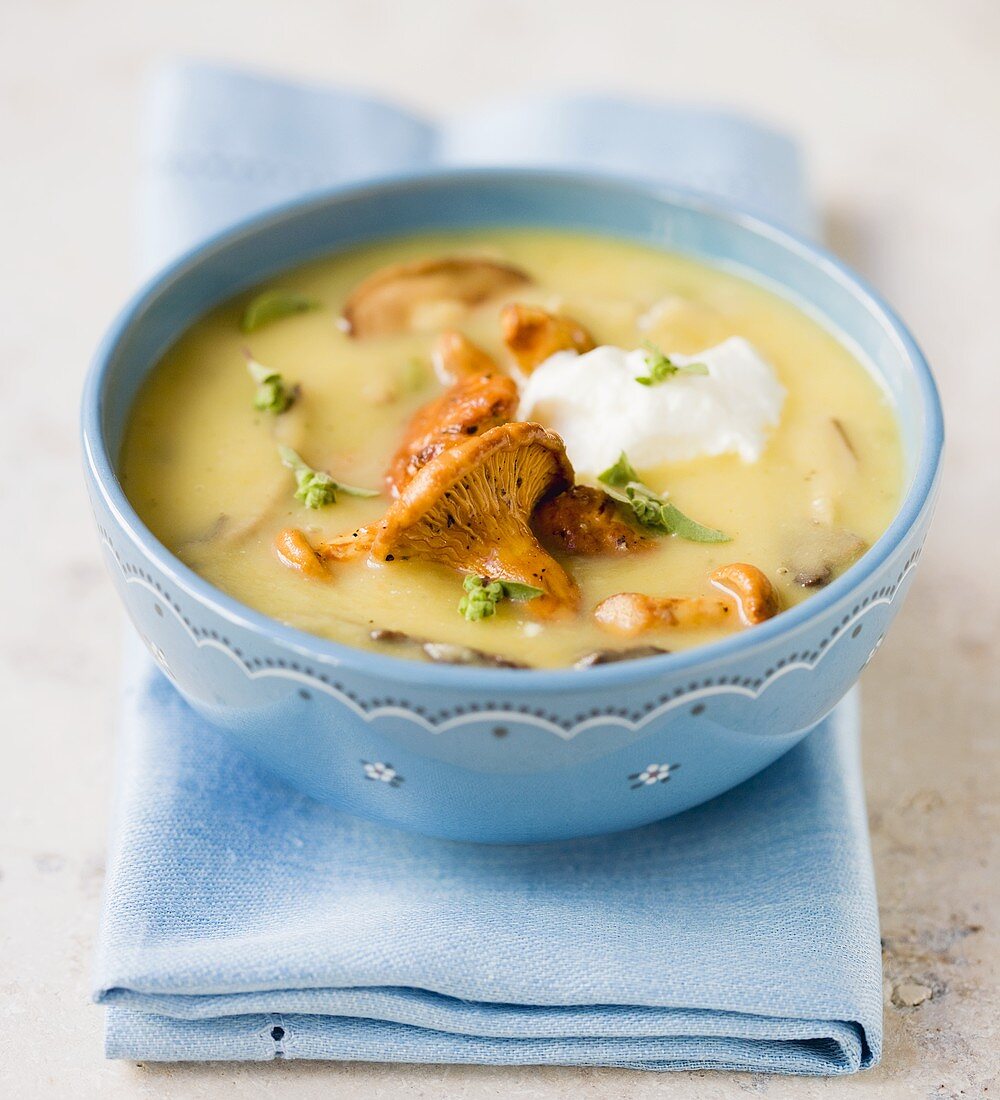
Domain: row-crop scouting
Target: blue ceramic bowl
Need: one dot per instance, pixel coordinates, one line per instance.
(491, 754)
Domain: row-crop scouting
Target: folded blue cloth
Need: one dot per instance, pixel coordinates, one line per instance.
(245, 921)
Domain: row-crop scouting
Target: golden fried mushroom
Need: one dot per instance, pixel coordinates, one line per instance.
(470, 407)
(633, 613)
(294, 551)
(755, 597)
(345, 547)
(470, 509)
(390, 300)
(456, 357)
(532, 334)
(585, 520)
(750, 597)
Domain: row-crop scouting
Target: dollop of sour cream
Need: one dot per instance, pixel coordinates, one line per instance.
(595, 403)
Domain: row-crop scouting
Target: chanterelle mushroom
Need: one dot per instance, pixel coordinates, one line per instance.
(632, 613)
(390, 300)
(470, 407)
(294, 551)
(749, 593)
(755, 596)
(455, 357)
(585, 520)
(532, 334)
(470, 509)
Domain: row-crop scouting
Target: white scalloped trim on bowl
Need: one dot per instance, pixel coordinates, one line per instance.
(255, 669)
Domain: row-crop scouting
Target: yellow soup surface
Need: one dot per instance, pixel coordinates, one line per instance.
(202, 468)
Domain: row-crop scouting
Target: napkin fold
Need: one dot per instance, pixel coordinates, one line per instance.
(245, 921)
(221, 144)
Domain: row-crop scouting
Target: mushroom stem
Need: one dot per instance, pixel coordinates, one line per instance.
(345, 547)
(521, 559)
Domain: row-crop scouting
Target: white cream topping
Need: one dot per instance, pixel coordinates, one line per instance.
(594, 402)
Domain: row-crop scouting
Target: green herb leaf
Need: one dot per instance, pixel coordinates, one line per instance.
(684, 527)
(619, 474)
(482, 596)
(272, 395)
(314, 487)
(662, 367)
(521, 593)
(651, 509)
(272, 305)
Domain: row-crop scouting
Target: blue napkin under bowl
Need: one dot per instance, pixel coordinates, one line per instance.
(244, 921)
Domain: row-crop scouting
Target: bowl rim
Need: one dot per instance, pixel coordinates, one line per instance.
(101, 467)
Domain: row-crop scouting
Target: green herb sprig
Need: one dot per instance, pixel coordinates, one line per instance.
(272, 305)
(314, 487)
(272, 394)
(482, 596)
(661, 367)
(650, 509)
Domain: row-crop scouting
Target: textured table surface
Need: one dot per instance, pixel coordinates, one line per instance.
(898, 107)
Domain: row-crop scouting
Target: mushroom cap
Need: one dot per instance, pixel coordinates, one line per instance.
(531, 334)
(470, 509)
(472, 405)
(388, 301)
(585, 520)
(750, 589)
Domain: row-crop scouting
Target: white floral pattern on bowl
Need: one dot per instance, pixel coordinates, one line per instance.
(652, 773)
(386, 773)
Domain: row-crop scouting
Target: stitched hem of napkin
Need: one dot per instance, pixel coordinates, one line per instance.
(819, 1051)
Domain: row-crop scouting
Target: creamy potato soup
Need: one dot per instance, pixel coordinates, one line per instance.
(515, 448)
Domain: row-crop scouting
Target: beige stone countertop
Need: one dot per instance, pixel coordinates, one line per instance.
(897, 103)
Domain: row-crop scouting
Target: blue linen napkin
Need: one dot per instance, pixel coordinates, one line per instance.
(245, 921)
